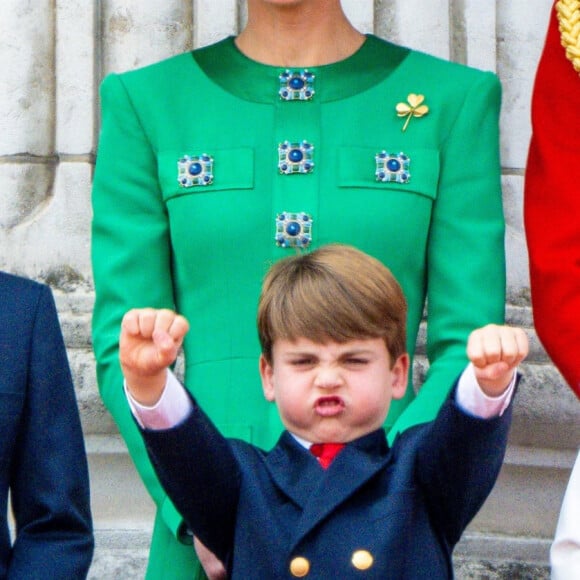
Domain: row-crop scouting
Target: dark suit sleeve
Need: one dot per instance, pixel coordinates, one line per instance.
(199, 471)
(49, 480)
(552, 206)
(458, 464)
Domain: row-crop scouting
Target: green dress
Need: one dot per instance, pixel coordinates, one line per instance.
(206, 174)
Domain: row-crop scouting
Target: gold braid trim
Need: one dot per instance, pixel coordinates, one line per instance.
(568, 12)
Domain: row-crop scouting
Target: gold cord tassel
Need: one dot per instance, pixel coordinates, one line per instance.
(568, 12)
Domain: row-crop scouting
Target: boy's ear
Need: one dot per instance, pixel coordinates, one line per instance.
(400, 376)
(267, 376)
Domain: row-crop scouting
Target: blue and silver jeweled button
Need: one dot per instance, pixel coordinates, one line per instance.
(392, 167)
(295, 157)
(195, 170)
(296, 85)
(293, 229)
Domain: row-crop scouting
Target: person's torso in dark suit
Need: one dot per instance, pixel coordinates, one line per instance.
(377, 512)
(42, 457)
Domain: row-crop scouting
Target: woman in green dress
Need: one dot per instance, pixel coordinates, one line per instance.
(298, 132)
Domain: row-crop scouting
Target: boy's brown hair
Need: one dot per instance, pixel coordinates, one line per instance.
(335, 293)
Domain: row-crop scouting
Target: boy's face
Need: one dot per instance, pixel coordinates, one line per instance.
(333, 392)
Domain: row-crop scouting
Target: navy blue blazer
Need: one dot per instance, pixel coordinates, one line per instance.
(376, 512)
(42, 455)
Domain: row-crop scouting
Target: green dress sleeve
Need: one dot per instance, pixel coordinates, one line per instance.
(465, 255)
(131, 259)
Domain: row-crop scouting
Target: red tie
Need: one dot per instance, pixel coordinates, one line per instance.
(325, 452)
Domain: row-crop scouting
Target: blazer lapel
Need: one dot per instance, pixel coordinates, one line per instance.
(318, 491)
(294, 470)
(353, 466)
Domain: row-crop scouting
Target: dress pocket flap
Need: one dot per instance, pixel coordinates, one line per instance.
(412, 170)
(204, 171)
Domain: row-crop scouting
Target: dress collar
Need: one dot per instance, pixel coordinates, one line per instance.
(247, 79)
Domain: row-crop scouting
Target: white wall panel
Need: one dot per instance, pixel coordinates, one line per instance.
(515, 239)
(48, 234)
(214, 20)
(423, 25)
(25, 188)
(480, 28)
(75, 76)
(137, 33)
(26, 77)
(360, 13)
(522, 26)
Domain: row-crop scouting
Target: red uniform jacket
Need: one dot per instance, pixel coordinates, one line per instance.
(552, 206)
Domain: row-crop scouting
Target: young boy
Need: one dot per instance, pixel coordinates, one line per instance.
(332, 329)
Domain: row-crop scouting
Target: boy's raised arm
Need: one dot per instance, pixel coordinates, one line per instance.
(495, 352)
(149, 343)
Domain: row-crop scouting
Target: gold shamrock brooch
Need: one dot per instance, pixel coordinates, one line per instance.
(412, 108)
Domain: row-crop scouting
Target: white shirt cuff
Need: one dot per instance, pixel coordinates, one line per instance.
(471, 398)
(173, 407)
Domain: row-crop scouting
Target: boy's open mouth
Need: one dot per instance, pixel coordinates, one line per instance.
(329, 406)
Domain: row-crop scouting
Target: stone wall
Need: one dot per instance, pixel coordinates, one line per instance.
(53, 56)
